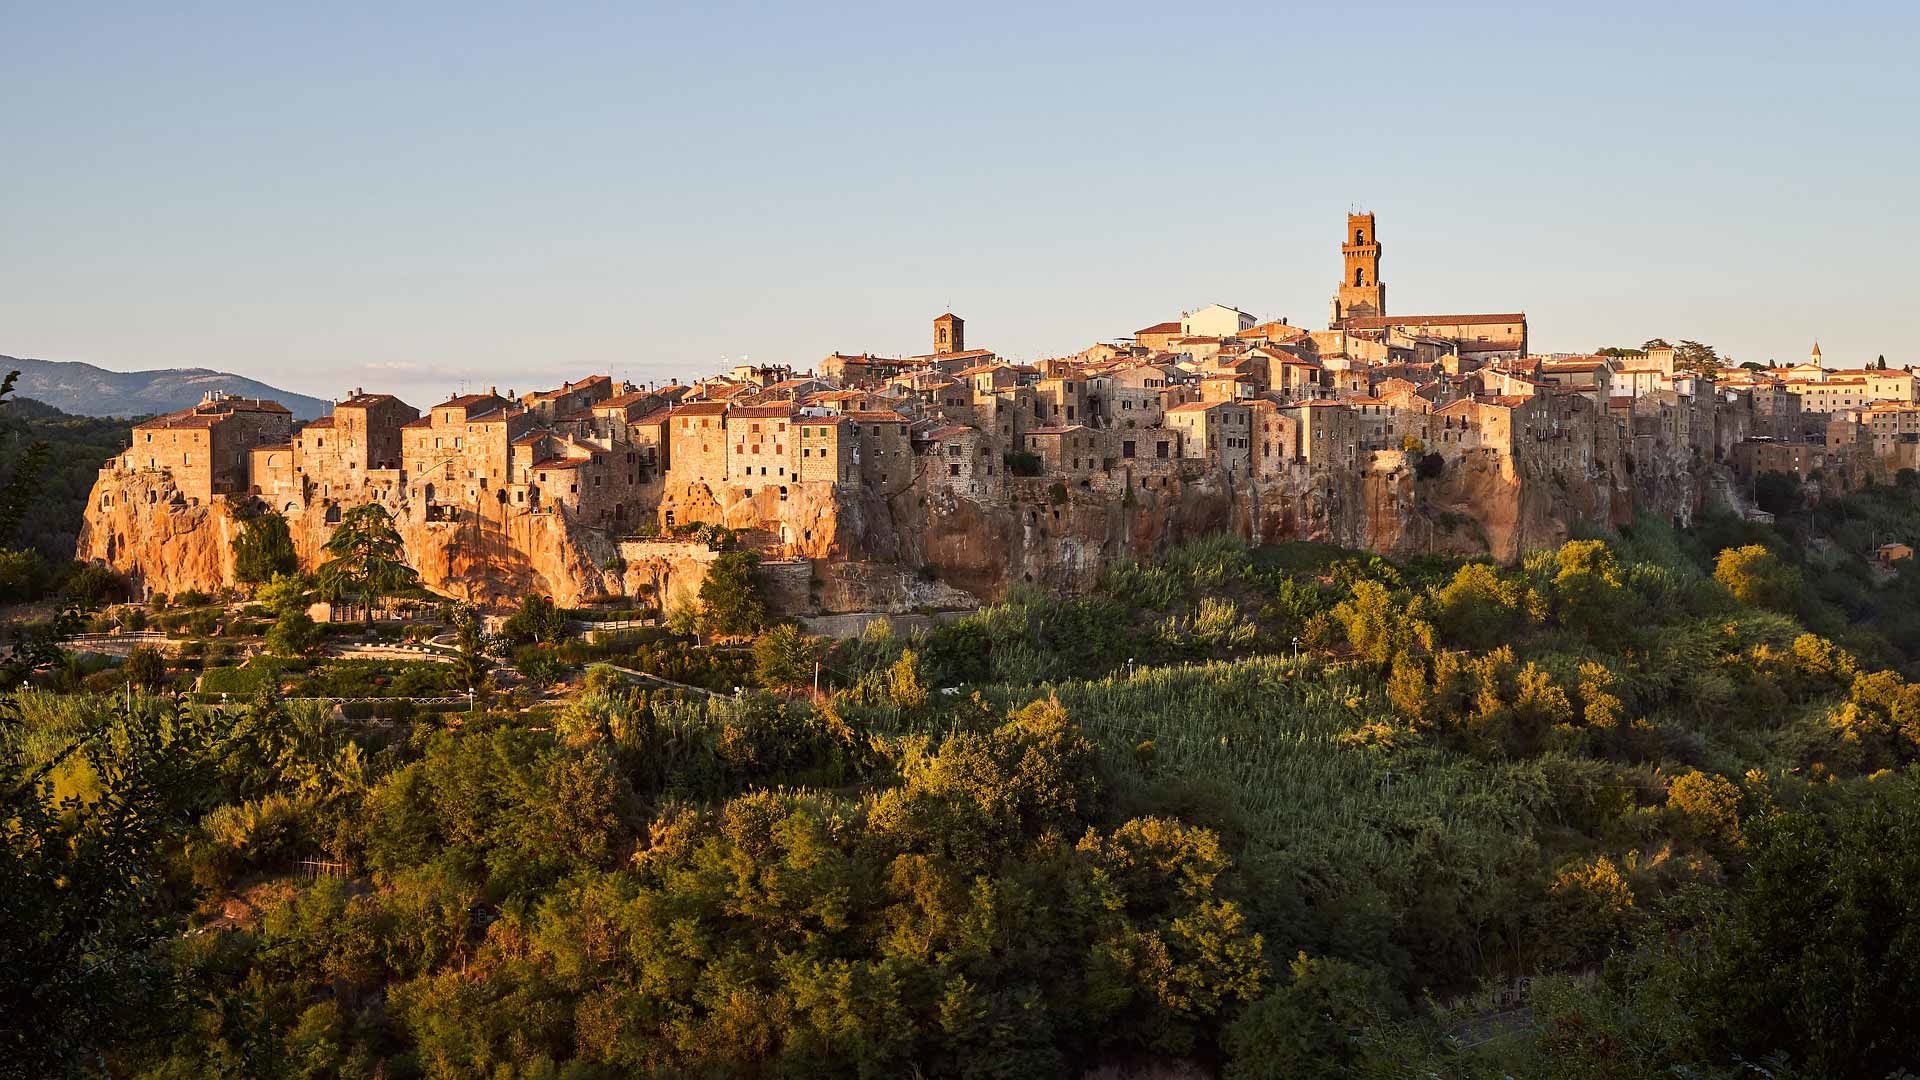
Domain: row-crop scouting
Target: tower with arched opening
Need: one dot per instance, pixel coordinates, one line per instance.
(1361, 291)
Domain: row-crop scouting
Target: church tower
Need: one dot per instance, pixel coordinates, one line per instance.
(1361, 291)
(949, 334)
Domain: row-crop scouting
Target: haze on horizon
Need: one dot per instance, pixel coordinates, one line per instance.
(437, 195)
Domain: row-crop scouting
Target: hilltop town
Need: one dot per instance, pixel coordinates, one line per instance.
(894, 482)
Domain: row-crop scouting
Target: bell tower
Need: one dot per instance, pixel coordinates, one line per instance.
(949, 334)
(1361, 290)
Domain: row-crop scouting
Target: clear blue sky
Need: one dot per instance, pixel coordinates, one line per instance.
(409, 196)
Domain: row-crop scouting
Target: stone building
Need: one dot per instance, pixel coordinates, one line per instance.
(361, 445)
(829, 449)
(1217, 432)
(884, 453)
(458, 454)
(759, 446)
(959, 459)
(1068, 451)
(1276, 438)
(1133, 397)
(207, 449)
(571, 398)
(1328, 435)
(698, 441)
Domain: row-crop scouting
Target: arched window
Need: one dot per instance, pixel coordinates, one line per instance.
(1359, 236)
(1359, 276)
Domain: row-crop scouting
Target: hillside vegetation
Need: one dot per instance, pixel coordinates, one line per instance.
(1625, 809)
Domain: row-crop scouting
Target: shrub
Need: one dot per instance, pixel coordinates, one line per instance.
(145, 667)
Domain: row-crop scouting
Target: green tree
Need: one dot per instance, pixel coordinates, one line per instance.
(1589, 591)
(293, 633)
(264, 548)
(367, 560)
(1756, 576)
(1777, 493)
(93, 585)
(730, 596)
(1477, 609)
(784, 658)
(1311, 1026)
(145, 667)
(26, 473)
(1696, 356)
(538, 621)
(472, 669)
(86, 907)
(1818, 957)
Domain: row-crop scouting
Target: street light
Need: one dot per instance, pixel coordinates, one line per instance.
(1296, 646)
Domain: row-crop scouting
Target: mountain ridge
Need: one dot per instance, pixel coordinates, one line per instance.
(90, 390)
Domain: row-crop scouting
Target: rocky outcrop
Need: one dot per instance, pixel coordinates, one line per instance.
(929, 548)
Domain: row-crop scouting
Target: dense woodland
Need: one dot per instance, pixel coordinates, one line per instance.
(1641, 805)
(70, 451)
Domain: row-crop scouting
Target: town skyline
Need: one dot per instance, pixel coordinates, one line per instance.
(430, 193)
(408, 379)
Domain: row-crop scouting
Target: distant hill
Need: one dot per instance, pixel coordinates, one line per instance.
(86, 390)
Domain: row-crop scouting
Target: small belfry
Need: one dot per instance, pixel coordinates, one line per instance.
(1361, 292)
(949, 334)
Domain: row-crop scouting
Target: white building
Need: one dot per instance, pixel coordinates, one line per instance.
(1215, 320)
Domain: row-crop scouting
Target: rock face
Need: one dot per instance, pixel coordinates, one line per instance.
(835, 550)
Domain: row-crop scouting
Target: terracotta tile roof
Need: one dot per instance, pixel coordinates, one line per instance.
(1382, 322)
(568, 388)
(657, 416)
(423, 422)
(877, 417)
(701, 408)
(760, 412)
(621, 401)
(559, 463)
(318, 422)
(950, 431)
(1065, 429)
(466, 401)
(1159, 328)
(363, 401)
(1196, 406)
(208, 413)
